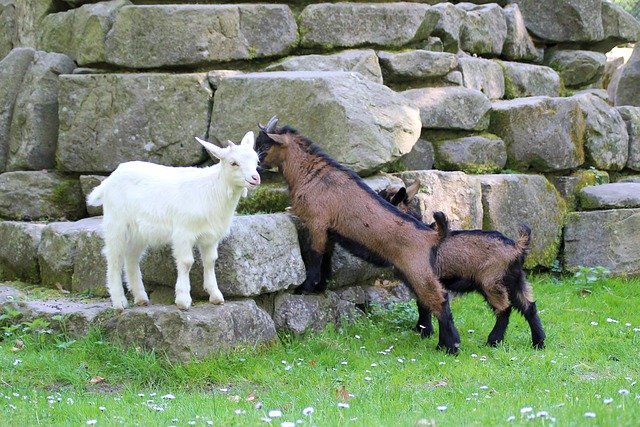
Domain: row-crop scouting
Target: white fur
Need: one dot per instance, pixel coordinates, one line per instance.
(146, 204)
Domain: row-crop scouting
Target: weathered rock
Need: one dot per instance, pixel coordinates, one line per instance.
(606, 140)
(523, 80)
(19, 251)
(484, 30)
(350, 24)
(456, 194)
(542, 134)
(34, 195)
(509, 200)
(619, 27)
(611, 196)
(170, 35)
(34, 123)
(569, 186)
(420, 157)
(99, 130)
(483, 75)
(298, 314)
(28, 18)
(365, 296)
(416, 65)
(12, 71)
(57, 251)
(563, 20)
(471, 154)
(627, 81)
(577, 68)
(364, 125)
(451, 107)
(216, 76)
(80, 33)
(617, 237)
(518, 44)
(87, 184)
(631, 117)
(7, 27)
(203, 330)
(9, 293)
(449, 25)
(363, 61)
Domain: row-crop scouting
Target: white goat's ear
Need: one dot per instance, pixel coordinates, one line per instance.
(211, 148)
(248, 139)
(230, 143)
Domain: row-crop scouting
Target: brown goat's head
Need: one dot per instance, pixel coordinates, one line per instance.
(272, 144)
(401, 197)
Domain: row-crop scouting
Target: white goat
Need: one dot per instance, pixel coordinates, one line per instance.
(146, 204)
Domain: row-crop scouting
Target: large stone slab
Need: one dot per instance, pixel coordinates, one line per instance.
(80, 33)
(19, 251)
(627, 81)
(363, 61)
(416, 65)
(578, 68)
(350, 24)
(7, 27)
(106, 119)
(202, 331)
(34, 123)
(542, 134)
(617, 237)
(631, 117)
(451, 107)
(484, 30)
(511, 199)
(28, 16)
(361, 124)
(456, 194)
(524, 80)
(606, 140)
(619, 27)
(12, 71)
(618, 195)
(518, 45)
(449, 25)
(483, 75)
(471, 154)
(171, 35)
(31, 195)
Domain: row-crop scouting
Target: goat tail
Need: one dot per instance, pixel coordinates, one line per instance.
(95, 197)
(523, 241)
(442, 224)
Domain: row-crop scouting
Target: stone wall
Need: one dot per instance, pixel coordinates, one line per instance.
(507, 113)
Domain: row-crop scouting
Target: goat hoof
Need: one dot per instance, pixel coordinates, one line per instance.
(539, 345)
(142, 303)
(216, 301)
(120, 304)
(449, 350)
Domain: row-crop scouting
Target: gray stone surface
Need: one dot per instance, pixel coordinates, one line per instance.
(12, 71)
(361, 124)
(627, 81)
(619, 27)
(106, 119)
(606, 140)
(80, 33)
(35, 195)
(577, 68)
(87, 184)
(420, 157)
(451, 107)
(19, 251)
(456, 194)
(511, 199)
(631, 117)
(328, 25)
(7, 27)
(484, 30)
(618, 195)
(449, 25)
(28, 16)
(203, 330)
(518, 44)
(34, 123)
(483, 75)
(542, 134)
(170, 35)
(416, 65)
(471, 154)
(362, 61)
(523, 80)
(617, 237)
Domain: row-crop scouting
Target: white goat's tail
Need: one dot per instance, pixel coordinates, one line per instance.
(95, 197)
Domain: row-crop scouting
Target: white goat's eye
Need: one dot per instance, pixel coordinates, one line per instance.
(234, 163)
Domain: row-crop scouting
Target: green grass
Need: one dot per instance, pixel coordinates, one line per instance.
(390, 376)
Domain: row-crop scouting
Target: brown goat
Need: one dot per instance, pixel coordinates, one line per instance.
(485, 261)
(337, 206)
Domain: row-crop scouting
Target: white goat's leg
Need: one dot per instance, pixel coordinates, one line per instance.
(209, 255)
(115, 260)
(134, 277)
(183, 254)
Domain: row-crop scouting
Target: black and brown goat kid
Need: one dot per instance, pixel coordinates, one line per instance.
(484, 261)
(337, 206)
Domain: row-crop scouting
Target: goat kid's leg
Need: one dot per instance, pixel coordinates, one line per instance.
(537, 333)
(183, 254)
(424, 325)
(314, 265)
(500, 328)
(134, 275)
(115, 263)
(209, 255)
(448, 336)
(325, 267)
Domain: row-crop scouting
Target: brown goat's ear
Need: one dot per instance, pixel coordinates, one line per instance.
(399, 196)
(413, 189)
(278, 138)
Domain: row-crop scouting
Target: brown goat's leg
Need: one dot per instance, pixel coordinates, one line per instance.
(424, 325)
(448, 336)
(314, 265)
(497, 334)
(537, 333)
(325, 267)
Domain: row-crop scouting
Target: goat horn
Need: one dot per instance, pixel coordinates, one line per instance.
(271, 125)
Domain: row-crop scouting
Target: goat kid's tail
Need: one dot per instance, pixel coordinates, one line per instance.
(442, 224)
(95, 197)
(523, 241)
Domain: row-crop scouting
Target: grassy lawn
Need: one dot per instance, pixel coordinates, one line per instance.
(376, 372)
